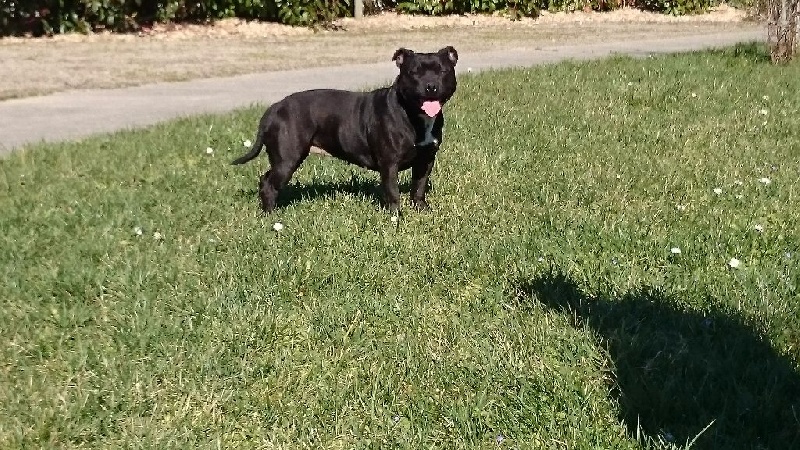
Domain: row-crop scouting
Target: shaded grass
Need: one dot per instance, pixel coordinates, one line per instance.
(464, 328)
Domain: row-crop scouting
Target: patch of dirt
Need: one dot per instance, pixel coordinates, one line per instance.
(175, 52)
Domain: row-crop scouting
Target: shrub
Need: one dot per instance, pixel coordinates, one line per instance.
(39, 17)
(312, 12)
(679, 7)
(59, 16)
(514, 8)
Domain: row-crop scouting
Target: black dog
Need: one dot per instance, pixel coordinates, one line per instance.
(387, 130)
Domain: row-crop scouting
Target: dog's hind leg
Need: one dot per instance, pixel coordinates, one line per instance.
(286, 153)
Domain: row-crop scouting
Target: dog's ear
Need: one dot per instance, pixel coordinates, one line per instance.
(450, 53)
(400, 55)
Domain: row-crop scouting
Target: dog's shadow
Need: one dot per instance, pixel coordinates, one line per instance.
(677, 371)
(357, 186)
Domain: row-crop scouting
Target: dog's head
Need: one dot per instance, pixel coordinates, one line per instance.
(426, 80)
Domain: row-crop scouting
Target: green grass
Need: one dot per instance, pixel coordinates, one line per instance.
(537, 306)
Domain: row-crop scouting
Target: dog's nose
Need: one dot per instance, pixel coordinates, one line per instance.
(431, 88)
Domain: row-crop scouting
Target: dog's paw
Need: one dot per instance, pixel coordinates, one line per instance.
(421, 205)
(267, 205)
(393, 209)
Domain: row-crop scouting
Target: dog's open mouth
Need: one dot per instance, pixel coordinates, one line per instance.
(431, 107)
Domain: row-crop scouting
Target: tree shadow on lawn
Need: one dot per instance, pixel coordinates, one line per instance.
(296, 192)
(753, 52)
(677, 371)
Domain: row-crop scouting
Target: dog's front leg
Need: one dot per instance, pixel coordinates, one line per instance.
(420, 172)
(391, 188)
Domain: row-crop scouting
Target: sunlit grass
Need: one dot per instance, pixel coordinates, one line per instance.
(146, 302)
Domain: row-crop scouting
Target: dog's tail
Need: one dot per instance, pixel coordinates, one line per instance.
(254, 150)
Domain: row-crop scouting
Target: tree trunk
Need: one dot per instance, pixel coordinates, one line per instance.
(784, 29)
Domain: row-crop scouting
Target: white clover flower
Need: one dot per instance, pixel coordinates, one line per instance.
(394, 219)
(277, 226)
(681, 207)
(137, 231)
(734, 263)
(718, 191)
(675, 250)
(694, 95)
(158, 236)
(765, 97)
(209, 151)
(764, 112)
(764, 180)
(247, 143)
(758, 228)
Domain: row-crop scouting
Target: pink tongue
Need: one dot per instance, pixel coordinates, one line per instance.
(431, 108)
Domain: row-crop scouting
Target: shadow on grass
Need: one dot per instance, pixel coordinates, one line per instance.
(677, 371)
(297, 192)
(753, 52)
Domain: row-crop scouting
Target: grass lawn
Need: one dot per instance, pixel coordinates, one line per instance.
(572, 287)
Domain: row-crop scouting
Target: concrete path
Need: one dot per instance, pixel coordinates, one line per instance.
(75, 114)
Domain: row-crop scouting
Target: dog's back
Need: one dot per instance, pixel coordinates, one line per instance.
(321, 118)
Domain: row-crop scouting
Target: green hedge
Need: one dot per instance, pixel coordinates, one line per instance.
(40, 17)
(515, 9)
(59, 16)
(531, 8)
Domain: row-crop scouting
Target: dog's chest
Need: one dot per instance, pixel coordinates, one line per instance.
(426, 134)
